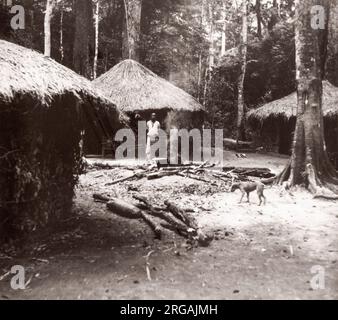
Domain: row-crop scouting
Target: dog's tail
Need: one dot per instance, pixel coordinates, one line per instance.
(269, 181)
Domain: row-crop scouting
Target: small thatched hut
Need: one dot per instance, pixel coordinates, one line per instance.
(44, 109)
(136, 89)
(276, 120)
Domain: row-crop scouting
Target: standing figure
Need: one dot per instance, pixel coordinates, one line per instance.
(153, 127)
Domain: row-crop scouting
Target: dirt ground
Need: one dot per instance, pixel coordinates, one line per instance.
(263, 252)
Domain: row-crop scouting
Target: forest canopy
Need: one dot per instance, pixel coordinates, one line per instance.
(192, 43)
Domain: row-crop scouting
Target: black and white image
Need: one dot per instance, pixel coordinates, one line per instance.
(169, 150)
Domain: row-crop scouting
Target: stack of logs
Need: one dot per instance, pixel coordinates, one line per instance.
(170, 216)
(195, 172)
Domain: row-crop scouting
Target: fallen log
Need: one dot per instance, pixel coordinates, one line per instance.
(234, 144)
(129, 211)
(160, 213)
(106, 166)
(153, 225)
(188, 229)
(161, 174)
(178, 168)
(168, 165)
(203, 239)
(181, 222)
(168, 226)
(138, 175)
(100, 198)
(253, 172)
(194, 177)
(124, 209)
(181, 215)
(222, 178)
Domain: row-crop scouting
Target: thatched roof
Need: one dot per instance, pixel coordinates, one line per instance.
(287, 106)
(25, 71)
(133, 87)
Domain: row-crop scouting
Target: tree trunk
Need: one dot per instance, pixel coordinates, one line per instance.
(200, 57)
(48, 18)
(96, 25)
(211, 58)
(243, 58)
(309, 164)
(334, 39)
(133, 10)
(259, 18)
(83, 16)
(62, 52)
(224, 27)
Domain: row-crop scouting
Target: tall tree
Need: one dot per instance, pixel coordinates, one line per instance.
(62, 51)
(333, 43)
(133, 10)
(243, 48)
(83, 17)
(48, 17)
(259, 18)
(224, 28)
(96, 26)
(309, 163)
(200, 55)
(211, 57)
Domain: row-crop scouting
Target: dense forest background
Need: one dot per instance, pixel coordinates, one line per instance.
(192, 43)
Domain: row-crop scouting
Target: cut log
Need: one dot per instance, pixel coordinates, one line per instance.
(181, 215)
(138, 175)
(202, 238)
(185, 225)
(161, 174)
(129, 211)
(153, 225)
(124, 209)
(234, 145)
(181, 222)
(253, 172)
(193, 176)
(100, 198)
(159, 213)
(183, 233)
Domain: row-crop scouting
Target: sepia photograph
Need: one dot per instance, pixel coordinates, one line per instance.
(170, 155)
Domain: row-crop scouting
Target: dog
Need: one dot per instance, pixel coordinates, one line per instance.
(247, 188)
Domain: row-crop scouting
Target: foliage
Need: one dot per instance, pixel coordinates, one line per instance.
(270, 76)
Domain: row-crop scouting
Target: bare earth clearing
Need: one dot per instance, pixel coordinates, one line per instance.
(259, 252)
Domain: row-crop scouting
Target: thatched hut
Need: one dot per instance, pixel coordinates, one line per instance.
(44, 109)
(136, 89)
(275, 121)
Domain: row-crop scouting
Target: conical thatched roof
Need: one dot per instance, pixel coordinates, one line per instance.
(287, 106)
(133, 87)
(25, 71)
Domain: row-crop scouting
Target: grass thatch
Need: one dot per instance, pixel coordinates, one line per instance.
(43, 109)
(25, 71)
(133, 87)
(287, 106)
